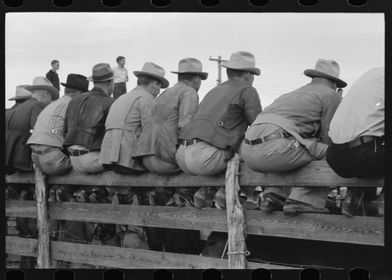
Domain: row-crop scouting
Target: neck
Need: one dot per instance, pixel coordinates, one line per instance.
(102, 87)
(188, 83)
(324, 81)
(239, 79)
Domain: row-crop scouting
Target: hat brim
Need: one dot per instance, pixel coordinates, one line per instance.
(53, 91)
(22, 97)
(203, 75)
(74, 87)
(255, 70)
(97, 81)
(311, 73)
(163, 81)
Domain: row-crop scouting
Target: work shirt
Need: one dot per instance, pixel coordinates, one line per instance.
(48, 129)
(172, 110)
(362, 111)
(20, 121)
(120, 74)
(85, 118)
(53, 77)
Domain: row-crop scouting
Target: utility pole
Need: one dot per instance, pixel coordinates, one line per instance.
(219, 60)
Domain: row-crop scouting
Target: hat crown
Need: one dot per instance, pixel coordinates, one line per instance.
(101, 72)
(76, 81)
(329, 67)
(22, 92)
(191, 65)
(154, 69)
(242, 59)
(41, 81)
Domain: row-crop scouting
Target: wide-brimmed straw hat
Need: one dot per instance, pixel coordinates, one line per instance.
(21, 93)
(76, 81)
(191, 66)
(153, 70)
(244, 61)
(44, 83)
(101, 72)
(326, 69)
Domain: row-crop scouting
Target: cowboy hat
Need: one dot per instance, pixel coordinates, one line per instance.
(76, 81)
(21, 93)
(101, 73)
(244, 61)
(326, 69)
(191, 66)
(153, 70)
(45, 84)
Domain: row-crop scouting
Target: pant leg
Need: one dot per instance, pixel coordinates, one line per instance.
(180, 159)
(53, 163)
(119, 89)
(88, 163)
(156, 165)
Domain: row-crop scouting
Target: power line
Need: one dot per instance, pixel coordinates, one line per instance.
(219, 60)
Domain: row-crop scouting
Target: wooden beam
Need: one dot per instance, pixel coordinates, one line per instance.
(321, 227)
(235, 217)
(117, 257)
(315, 174)
(43, 255)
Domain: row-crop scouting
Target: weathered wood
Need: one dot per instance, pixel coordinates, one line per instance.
(321, 227)
(117, 257)
(43, 255)
(235, 217)
(315, 174)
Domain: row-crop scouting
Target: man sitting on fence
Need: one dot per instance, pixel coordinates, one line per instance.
(357, 132)
(47, 138)
(292, 132)
(84, 124)
(210, 140)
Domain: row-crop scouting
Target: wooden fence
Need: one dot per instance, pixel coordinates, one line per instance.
(234, 220)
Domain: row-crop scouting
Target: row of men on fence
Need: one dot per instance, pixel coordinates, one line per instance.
(165, 133)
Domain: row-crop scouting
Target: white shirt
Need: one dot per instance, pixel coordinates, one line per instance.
(362, 110)
(120, 74)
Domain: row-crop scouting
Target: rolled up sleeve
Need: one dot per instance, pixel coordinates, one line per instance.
(250, 102)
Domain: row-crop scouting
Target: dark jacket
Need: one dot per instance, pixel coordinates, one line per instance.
(224, 115)
(85, 118)
(53, 77)
(19, 122)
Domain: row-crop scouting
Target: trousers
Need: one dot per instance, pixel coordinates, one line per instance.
(156, 165)
(88, 163)
(53, 162)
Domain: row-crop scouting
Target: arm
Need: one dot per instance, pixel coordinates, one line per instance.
(188, 106)
(36, 110)
(330, 104)
(144, 106)
(250, 103)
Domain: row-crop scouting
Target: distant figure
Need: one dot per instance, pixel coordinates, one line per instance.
(120, 77)
(357, 132)
(48, 136)
(84, 124)
(21, 95)
(52, 75)
(292, 132)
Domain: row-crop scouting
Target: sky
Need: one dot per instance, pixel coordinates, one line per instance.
(284, 44)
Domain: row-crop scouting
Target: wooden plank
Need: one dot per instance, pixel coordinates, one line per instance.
(117, 257)
(235, 217)
(315, 174)
(321, 227)
(43, 255)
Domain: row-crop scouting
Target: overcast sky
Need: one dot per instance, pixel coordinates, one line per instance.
(284, 44)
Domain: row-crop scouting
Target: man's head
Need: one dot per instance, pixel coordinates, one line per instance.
(42, 95)
(326, 72)
(75, 85)
(190, 70)
(152, 78)
(239, 75)
(151, 84)
(43, 90)
(192, 80)
(241, 66)
(103, 78)
(120, 61)
(55, 65)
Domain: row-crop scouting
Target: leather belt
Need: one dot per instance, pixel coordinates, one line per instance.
(273, 136)
(357, 142)
(76, 153)
(190, 142)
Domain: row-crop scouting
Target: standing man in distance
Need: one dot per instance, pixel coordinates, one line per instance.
(120, 77)
(52, 74)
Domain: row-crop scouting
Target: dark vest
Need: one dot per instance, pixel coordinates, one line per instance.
(217, 121)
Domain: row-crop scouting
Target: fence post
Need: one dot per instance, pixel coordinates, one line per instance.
(43, 254)
(235, 217)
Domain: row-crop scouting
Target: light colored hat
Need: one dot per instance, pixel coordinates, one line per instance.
(21, 93)
(101, 72)
(244, 61)
(153, 70)
(43, 83)
(326, 69)
(191, 66)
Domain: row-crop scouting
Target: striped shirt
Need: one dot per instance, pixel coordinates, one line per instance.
(48, 129)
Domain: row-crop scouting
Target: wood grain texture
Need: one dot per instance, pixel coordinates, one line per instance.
(235, 217)
(43, 255)
(117, 257)
(315, 174)
(322, 227)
